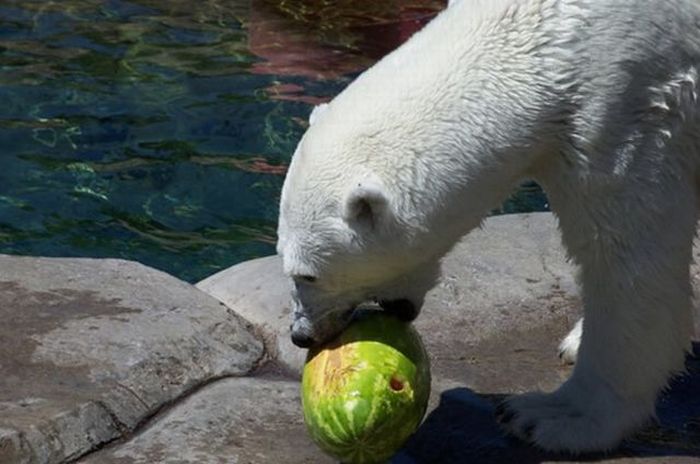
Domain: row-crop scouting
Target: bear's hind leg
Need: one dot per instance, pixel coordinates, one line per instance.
(634, 250)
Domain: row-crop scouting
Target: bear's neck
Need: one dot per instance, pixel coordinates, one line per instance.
(456, 115)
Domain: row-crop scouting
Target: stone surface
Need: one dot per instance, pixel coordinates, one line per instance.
(497, 279)
(492, 328)
(259, 421)
(258, 291)
(91, 348)
(461, 428)
(148, 360)
(233, 421)
(506, 298)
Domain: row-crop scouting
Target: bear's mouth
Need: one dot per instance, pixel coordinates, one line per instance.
(402, 308)
(304, 337)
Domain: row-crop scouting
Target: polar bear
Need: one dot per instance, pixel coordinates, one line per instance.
(594, 99)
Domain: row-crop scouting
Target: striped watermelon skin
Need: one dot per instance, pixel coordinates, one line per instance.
(366, 392)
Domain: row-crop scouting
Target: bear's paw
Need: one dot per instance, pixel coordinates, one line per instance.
(571, 420)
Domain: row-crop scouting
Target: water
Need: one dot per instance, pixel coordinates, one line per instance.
(160, 131)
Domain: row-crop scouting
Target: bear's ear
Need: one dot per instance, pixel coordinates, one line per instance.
(317, 112)
(367, 204)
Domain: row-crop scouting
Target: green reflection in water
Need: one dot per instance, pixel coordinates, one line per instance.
(160, 130)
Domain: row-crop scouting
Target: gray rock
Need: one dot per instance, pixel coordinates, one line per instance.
(258, 291)
(495, 280)
(13, 449)
(232, 421)
(108, 351)
(91, 348)
(507, 296)
(491, 327)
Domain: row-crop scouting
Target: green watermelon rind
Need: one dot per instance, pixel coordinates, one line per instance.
(368, 431)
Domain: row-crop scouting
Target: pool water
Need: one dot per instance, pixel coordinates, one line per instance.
(160, 131)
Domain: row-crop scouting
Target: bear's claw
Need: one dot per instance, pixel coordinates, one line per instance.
(503, 414)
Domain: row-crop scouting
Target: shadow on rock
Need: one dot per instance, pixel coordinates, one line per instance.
(463, 429)
(677, 431)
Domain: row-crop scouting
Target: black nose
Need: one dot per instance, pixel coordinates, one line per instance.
(302, 340)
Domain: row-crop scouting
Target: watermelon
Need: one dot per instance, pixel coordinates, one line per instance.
(366, 392)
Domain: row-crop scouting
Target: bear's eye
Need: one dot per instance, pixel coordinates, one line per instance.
(309, 279)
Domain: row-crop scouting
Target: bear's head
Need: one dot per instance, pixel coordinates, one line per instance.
(345, 234)
(404, 161)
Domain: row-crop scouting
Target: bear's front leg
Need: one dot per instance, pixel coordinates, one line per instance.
(635, 333)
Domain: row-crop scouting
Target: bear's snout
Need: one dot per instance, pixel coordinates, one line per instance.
(302, 340)
(318, 327)
(302, 333)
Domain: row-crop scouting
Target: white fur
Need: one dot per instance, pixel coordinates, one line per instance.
(317, 112)
(568, 348)
(596, 100)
